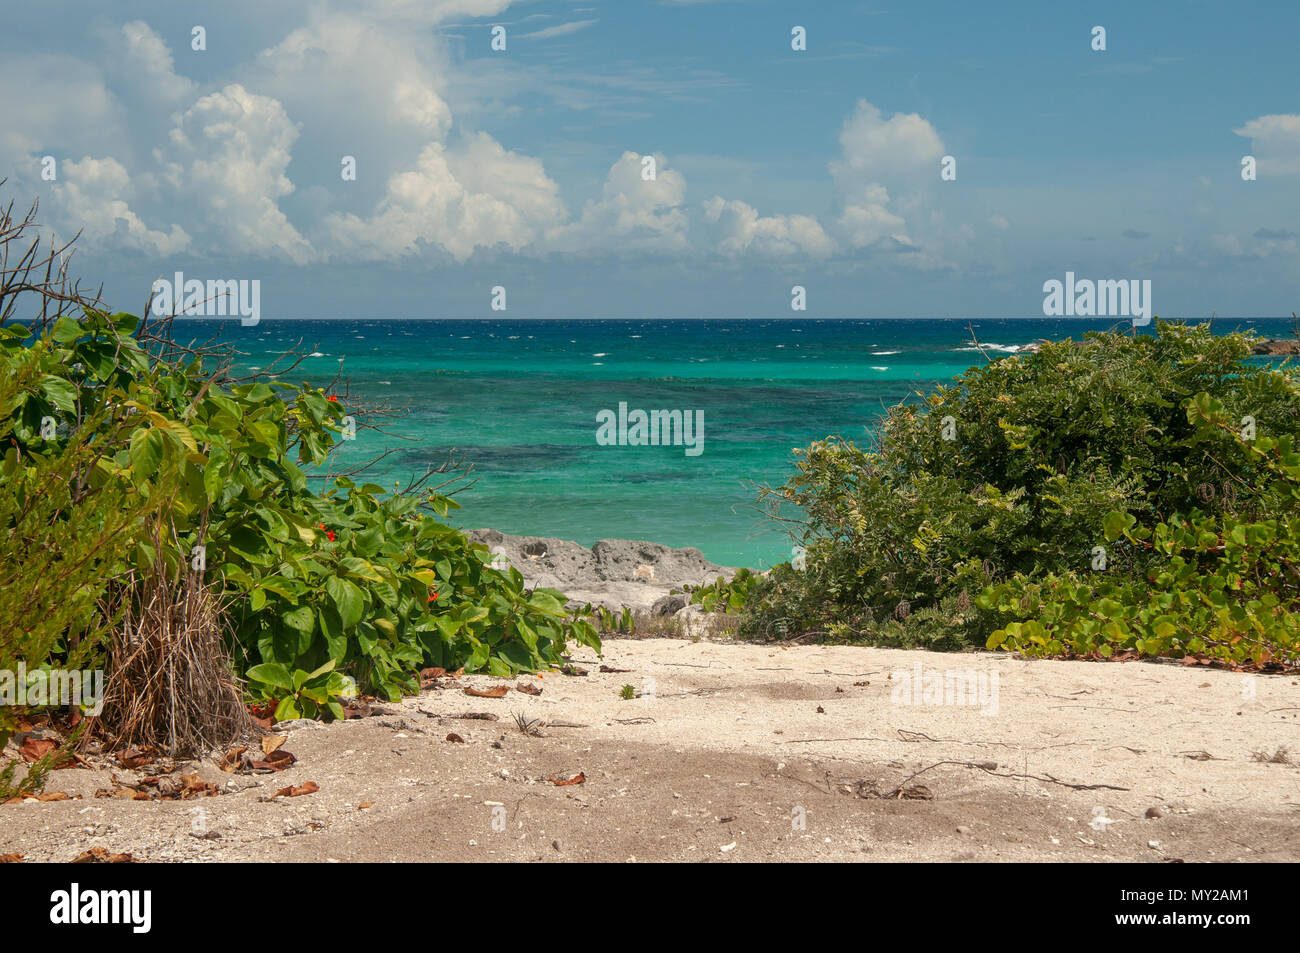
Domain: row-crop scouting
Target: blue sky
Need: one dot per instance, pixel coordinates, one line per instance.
(523, 168)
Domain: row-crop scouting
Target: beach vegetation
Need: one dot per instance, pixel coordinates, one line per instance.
(140, 475)
(1071, 463)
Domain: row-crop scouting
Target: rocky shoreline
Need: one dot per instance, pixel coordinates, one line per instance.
(1277, 348)
(614, 573)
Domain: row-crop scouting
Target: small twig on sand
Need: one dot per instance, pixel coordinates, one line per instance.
(685, 665)
(521, 801)
(805, 741)
(898, 791)
(814, 634)
(1127, 711)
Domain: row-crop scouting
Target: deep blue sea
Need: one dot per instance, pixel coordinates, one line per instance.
(518, 400)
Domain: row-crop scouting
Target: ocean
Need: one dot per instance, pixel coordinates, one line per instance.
(518, 400)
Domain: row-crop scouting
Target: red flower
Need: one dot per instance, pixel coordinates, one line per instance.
(329, 533)
(332, 398)
(433, 595)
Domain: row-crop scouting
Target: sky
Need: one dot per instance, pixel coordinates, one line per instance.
(525, 168)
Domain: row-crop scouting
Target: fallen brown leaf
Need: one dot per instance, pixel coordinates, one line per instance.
(168, 788)
(11, 858)
(578, 778)
(272, 742)
(48, 796)
(33, 749)
(263, 715)
(496, 691)
(134, 757)
(192, 785)
(308, 787)
(356, 709)
(610, 668)
(453, 737)
(100, 855)
(230, 761)
(277, 760)
(119, 792)
(528, 689)
(365, 804)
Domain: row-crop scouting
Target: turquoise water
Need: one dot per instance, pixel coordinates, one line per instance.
(518, 400)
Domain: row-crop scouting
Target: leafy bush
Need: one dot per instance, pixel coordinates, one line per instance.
(1220, 587)
(368, 581)
(1045, 446)
(305, 694)
(606, 620)
(722, 595)
(59, 532)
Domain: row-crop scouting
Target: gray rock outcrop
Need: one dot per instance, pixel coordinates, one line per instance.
(615, 573)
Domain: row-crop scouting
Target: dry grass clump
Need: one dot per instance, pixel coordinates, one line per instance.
(170, 684)
(1280, 756)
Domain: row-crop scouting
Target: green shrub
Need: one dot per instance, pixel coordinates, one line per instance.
(1046, 446)
(60, 528)
(724, 595)
(351, 575)
(1219, 586)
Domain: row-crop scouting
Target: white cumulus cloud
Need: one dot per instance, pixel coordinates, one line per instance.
(147, 61)
(92, 194)
(878, 154)
(477, 195)
(1275, 143)
(740, 229)
(633, 213)
(227, 156)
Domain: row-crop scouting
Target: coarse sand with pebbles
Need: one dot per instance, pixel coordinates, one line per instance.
(739, 752)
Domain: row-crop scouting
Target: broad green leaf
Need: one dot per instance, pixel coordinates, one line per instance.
(347, 599)
(272, 673)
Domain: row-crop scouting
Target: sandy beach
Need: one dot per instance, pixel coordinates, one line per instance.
(734, 752)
